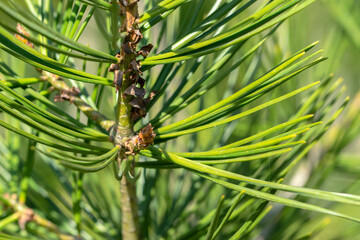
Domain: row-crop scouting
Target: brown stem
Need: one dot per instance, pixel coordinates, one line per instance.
(124, 73)
(71, 94)
(67, 93)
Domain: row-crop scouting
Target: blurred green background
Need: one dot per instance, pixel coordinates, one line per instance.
(336, 24)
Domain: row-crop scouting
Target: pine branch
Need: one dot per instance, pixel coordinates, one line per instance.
(72, 95)
(24, 215)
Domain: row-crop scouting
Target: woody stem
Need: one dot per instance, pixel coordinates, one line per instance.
(123, 128)
(129, 221)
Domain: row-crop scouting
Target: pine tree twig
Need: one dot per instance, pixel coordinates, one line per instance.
(67, 93)
(25, 215)
(131, 105)
(72, 95)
